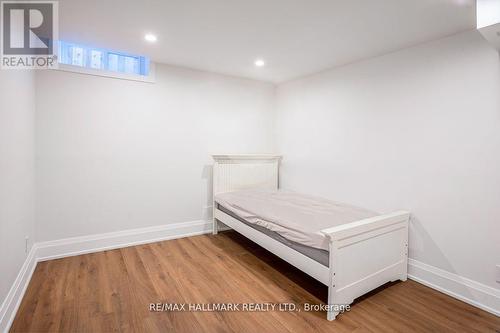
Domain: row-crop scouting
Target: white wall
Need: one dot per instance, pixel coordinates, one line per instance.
(17, 114)
(116, 154)
(418, 129)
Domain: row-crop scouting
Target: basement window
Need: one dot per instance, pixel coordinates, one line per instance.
(103, 62)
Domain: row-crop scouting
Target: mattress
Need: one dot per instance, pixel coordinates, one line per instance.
(296, 217)
(321, 256)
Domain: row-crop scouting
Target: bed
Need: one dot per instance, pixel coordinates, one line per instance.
(349, 249)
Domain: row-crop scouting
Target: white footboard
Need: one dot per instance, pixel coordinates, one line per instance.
(365, 255)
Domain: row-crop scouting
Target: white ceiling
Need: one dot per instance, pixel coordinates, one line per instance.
(295, 37)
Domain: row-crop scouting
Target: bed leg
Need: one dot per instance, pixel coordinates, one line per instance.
(215, 227)
(332, 289)
(331, 315)
(215, 224)
(404, 273)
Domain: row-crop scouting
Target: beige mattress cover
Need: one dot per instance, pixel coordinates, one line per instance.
(295, 216)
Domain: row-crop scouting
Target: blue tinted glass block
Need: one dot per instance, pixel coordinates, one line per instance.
(113, 62)
(145, 66)
(77, 56)
(65, 53)
(96, 59)
(131, 65)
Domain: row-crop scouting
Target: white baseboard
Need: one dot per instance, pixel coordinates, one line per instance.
(15, 295)
(466, 290)
(88, 244)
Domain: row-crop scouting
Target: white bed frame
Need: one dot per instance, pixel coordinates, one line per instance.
(363, 255)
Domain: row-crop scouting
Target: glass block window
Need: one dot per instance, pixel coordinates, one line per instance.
(102, 59)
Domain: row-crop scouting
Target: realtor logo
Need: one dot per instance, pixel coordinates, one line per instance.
(29, 31)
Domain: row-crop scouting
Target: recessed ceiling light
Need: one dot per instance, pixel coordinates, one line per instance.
(260, 63)
(151, 38)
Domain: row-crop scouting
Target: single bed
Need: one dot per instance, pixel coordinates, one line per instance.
(350, 249)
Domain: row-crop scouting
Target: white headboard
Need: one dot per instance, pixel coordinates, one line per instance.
(239, 172)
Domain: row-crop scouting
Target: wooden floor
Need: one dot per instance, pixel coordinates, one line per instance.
(112, 291)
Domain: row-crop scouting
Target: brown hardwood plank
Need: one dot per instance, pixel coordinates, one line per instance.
(111, 291)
